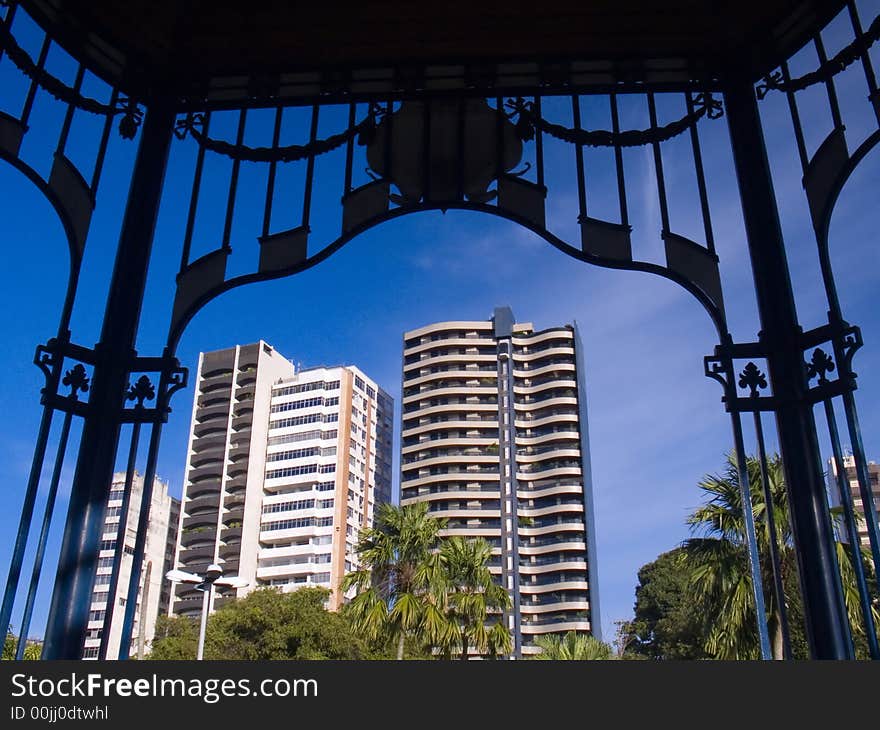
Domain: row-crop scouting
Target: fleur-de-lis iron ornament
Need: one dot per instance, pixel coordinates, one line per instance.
(820, 365)
(753, 379)
(142, 390)
(77, 380)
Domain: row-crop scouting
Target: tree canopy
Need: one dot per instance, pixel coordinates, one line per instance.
(265, 624)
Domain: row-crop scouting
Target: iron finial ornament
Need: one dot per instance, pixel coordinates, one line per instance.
(142, 390)
(820, 365)
(752, 378)
(77, 380)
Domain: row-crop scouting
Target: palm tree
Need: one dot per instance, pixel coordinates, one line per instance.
(572, 646)
(469, 593)
(721, 584)
(396, 588)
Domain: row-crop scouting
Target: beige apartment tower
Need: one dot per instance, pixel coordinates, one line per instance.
(495, 439)
(285, 467)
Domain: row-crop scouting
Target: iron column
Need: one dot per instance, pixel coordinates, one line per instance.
(824, 609)
(69, 610)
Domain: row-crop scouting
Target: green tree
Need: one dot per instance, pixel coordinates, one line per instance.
(32, 650)
(398, 585)
(664, 624)
(176, 638)
(266, 624)
(469, 594)
(572, 646)
(720, 585)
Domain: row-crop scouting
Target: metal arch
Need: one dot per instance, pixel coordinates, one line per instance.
(824, 223)
(178, 326)
(67, 225)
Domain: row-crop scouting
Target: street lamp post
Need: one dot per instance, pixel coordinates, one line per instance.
(206, 584)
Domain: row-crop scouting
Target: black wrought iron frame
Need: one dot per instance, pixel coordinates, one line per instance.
(108, 372)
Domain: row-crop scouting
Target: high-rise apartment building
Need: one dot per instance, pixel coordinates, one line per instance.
(153, 593)
(285, 468)
(495, 439)
(849, 467)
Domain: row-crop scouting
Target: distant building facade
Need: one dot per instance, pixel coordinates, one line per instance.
(849, 468)
(153, 594)
(285, 468)
(495, 439)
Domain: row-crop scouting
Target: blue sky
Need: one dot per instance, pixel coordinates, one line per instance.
(656, 423)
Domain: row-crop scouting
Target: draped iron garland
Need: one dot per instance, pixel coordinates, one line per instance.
(193, 124)
(829, 69)
(528, 122)
(132, 114)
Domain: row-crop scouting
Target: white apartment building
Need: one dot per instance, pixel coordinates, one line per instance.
(495, 439)
(285, 468)
(153, 593)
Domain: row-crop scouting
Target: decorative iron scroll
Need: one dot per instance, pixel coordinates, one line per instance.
(829, 69)
(191, 124)
(56, 88)
(529, 121)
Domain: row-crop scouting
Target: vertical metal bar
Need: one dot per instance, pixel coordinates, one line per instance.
(121, 529)
(658, 166)
(824, 609)
(775, 562)
(389, 124)
(310, 171)
(71, 108)
(349, 150)
(270, 181)
(44, 537)
(579, 161)
(829, 84)
(78, 558)
(539, 145)
(233, 183)
(796, 120)
(194, 198)
(751, 537)
(7, 22)
(426, 151)
(102, 146)
(618, 162)
(852, 530)
(30, 498)
(32, 91)
(460, 156)
(701, 178)
(140, 542)
(868, 505)
(866, 59)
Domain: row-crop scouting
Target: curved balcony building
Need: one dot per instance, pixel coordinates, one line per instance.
(495, 439)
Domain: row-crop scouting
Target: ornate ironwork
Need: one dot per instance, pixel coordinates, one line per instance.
(528, 121)
(828, 70)
(56, 88)
(719, 368)
(752, 378)
(820, 365)
(141, 391)
(77, 380)
(193, 125)
(850, 342)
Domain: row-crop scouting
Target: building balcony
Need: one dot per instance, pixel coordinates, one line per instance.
(553, 543)
(200, 505)
(202, 521)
